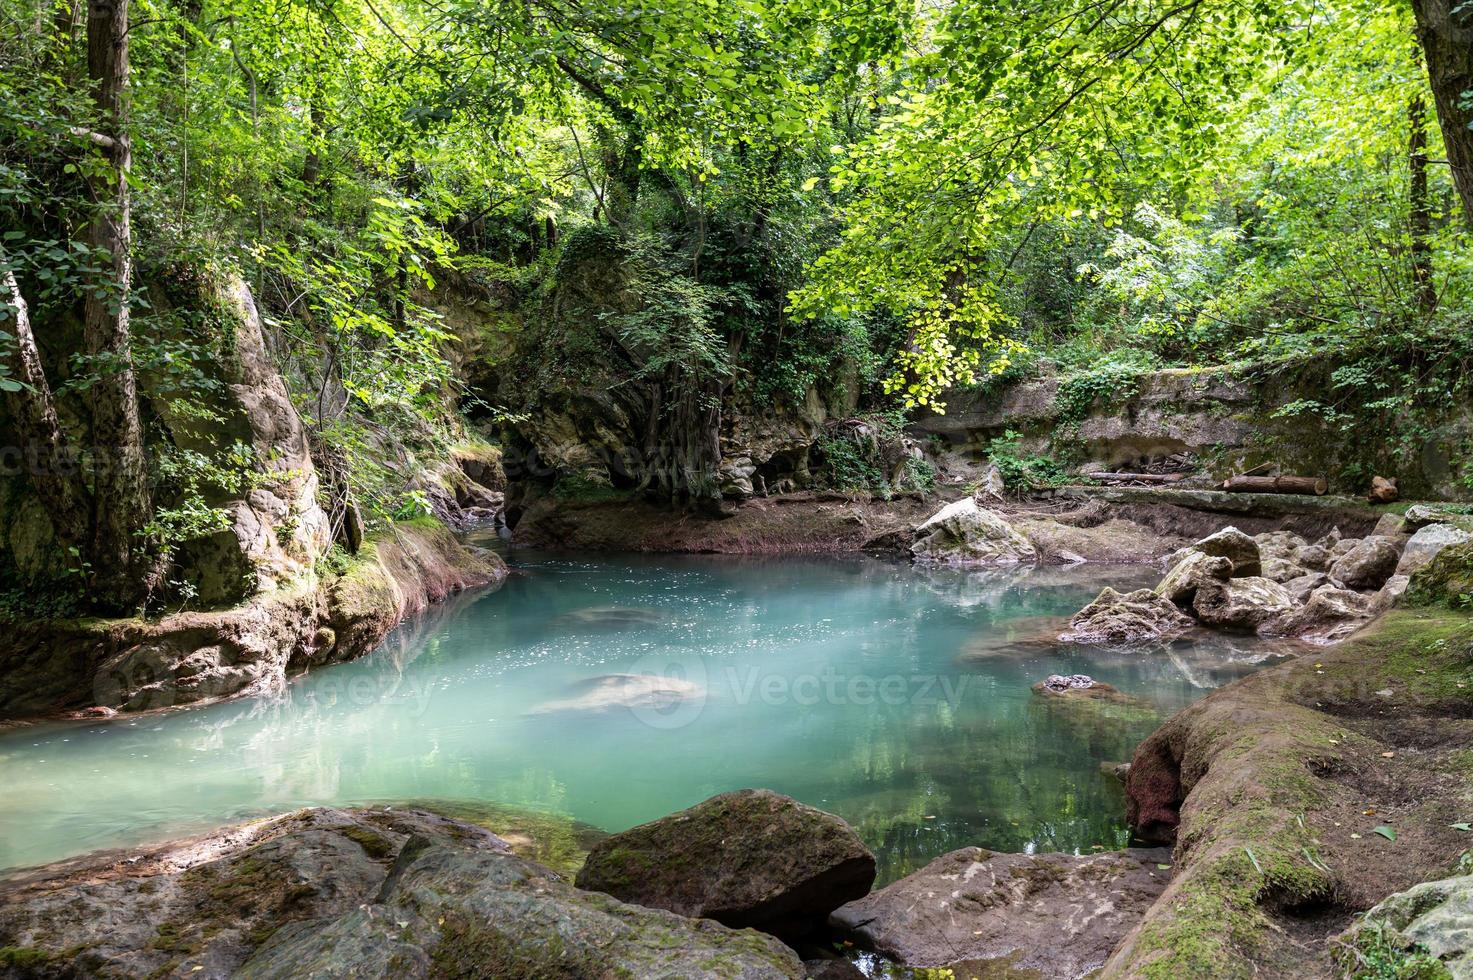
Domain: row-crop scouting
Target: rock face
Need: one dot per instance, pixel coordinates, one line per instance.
(963, 533)
(1242, 603)
(1434, 915)
(1367, 564)
(277, 528)
(747, 858)
(1133, 619)
(352, 893)
(188, 657)
(976, 911)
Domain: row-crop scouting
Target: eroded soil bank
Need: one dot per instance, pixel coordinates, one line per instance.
(1303, 795)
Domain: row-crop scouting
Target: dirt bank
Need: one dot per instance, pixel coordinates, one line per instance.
(1274, 789)
(1072, 523)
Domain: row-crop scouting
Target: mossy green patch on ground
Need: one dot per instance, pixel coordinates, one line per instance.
(553, 840)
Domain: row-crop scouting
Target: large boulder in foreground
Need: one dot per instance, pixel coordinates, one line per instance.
(746, 858)
(963, 533)
(337, 893)
(986, 914)
(1133, 619)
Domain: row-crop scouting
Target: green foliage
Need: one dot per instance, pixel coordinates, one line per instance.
(871, 454)
(1379, 953)
(1022, 471)
(1109, 382)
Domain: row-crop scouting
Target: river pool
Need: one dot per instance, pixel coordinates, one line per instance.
(895, 697)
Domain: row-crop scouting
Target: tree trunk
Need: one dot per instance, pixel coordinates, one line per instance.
(1447, 43)
(1315, 485)
(120, 496)
(1420, 209)
(49, 460)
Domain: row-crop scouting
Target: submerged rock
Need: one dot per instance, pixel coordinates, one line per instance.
(623, 691)
(1132, 619)
(977, 911)
(369, 892)
(610, 618)
(1242, 603)
(963, 533)
(1083, 688)
(1367, 564)
(746, 858)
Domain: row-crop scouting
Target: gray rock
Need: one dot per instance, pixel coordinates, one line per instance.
(1314, 557)
(1056, 914)
(963, 533)
(1435, 915)
(336, 893)
(1424, 545)
(1328, 616)
(1301, 587)
(1236, 547)
(1279, 544)
(1186, 574)
(1367, 564)
(747, 858)
(1242, 603)
(1342, 547)
(1390, 525)
(1281, 570)
(1419, 516)
(1132, 619)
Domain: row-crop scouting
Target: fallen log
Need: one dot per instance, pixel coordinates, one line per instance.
(1138, 477)
(1316, 485)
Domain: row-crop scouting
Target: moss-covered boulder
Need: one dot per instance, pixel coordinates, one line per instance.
(336, 893)
(1446, 580)
(747, 858)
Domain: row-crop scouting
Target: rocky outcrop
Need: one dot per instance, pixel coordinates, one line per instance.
(747, 858)
(988, 914)
(1327, 615)
(1133, 619)
(962, 533)
(189, 657)
(1426, 543)
(377, 892)
(1427, 924)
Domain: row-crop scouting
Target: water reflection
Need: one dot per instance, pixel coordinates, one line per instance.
(896, 698)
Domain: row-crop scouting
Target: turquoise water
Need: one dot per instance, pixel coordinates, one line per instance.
(897, 698)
